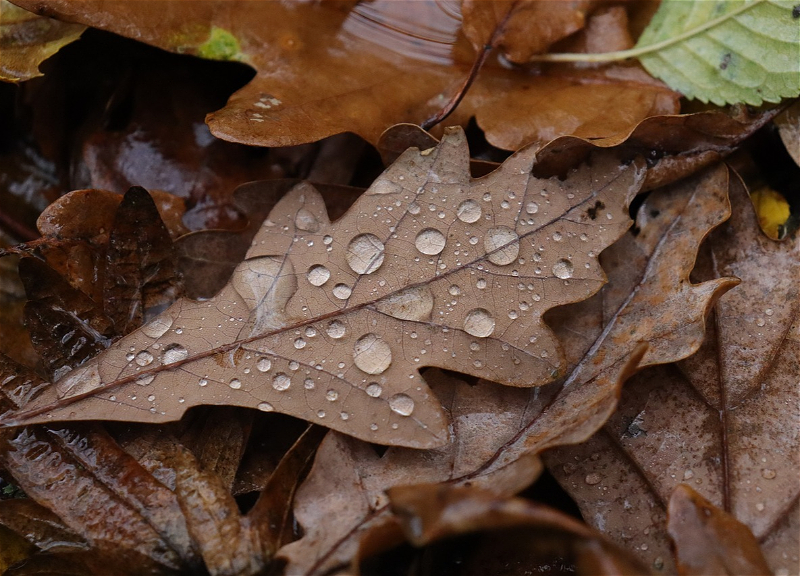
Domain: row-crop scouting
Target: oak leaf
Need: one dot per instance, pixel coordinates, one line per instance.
(495, 437)
(722, 421)
(332, 67)
(331, 322)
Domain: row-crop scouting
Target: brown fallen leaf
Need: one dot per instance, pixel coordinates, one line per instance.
(40, 526)
(709, 541)
(721, 420)
(339, 317)
(26, 40)
(650, 295)
(518, 536)
(789, 127)
(484, 417)
(207, 258)
(335, 67)
(675, 146)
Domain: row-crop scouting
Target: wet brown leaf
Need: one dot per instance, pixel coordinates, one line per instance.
(675, 146)
(326, 67)
(709, 541)
(518, 536)
(484, 417)
(26, 40)
(522, 28)
(721, 421)
(40, 526)
(649, 293)
(307, 309)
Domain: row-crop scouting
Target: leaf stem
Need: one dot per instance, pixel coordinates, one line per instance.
(642, 50)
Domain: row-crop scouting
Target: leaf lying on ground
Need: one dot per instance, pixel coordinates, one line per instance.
(332, 67)
(339, 317)
(722, 420)
(725, 51)
(709, 541)
(722, 51)
(650, 295)
(507, 536)
(26, 40)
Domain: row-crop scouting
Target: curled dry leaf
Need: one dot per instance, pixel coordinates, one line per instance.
(516, 532)
(338, 318)
(709, 541)
(789, 127)
(649, 298)
(675, 146)
(722, 421)
(26, 40)
(325, 68)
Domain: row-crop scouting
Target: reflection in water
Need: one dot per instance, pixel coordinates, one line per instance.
(422, 30)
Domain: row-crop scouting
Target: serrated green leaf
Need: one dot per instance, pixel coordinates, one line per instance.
(725, 51)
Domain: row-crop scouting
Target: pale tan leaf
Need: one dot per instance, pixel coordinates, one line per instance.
(330, 322)
(723, 421)
(649, 292)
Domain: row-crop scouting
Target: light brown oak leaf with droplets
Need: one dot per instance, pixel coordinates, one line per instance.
(330, 322)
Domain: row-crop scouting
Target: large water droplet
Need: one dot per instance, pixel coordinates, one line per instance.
(430, 241)
(266, 407)
(331, 395)
(336, 329)
(174, 353)
(365, 253)
(412, 304)
(374, 389)
(144, 358)
(158, 326)
(306, 221)
(531, 207)
(501, 245)
(235, 383)
(299, 343)
(145, 379)
(317, 275)
(592, 479)
(371, 354)
(281, 382)
(264, 364)
(342, 291)
(563, 269)
(383, 186)
(479, 323)
(401, 404)
(469, 211)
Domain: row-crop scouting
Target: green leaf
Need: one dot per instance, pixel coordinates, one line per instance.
(725, 51)
(720, 51)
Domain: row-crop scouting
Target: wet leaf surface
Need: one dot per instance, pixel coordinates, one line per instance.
(308, 309)
(27, 39)
(499, 453)
(709, 541)
(338, 59)
(719, 421)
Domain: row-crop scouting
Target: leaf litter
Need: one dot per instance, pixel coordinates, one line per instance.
(333, 315)
(234, 472)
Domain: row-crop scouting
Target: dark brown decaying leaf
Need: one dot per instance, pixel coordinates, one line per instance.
(709, 541)
(484, 417)
(40, 526)
(333, 62)
(325, 311)
(721, 421)
(648, 294)
(675, 146)
(431, 513)
(26, 40)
